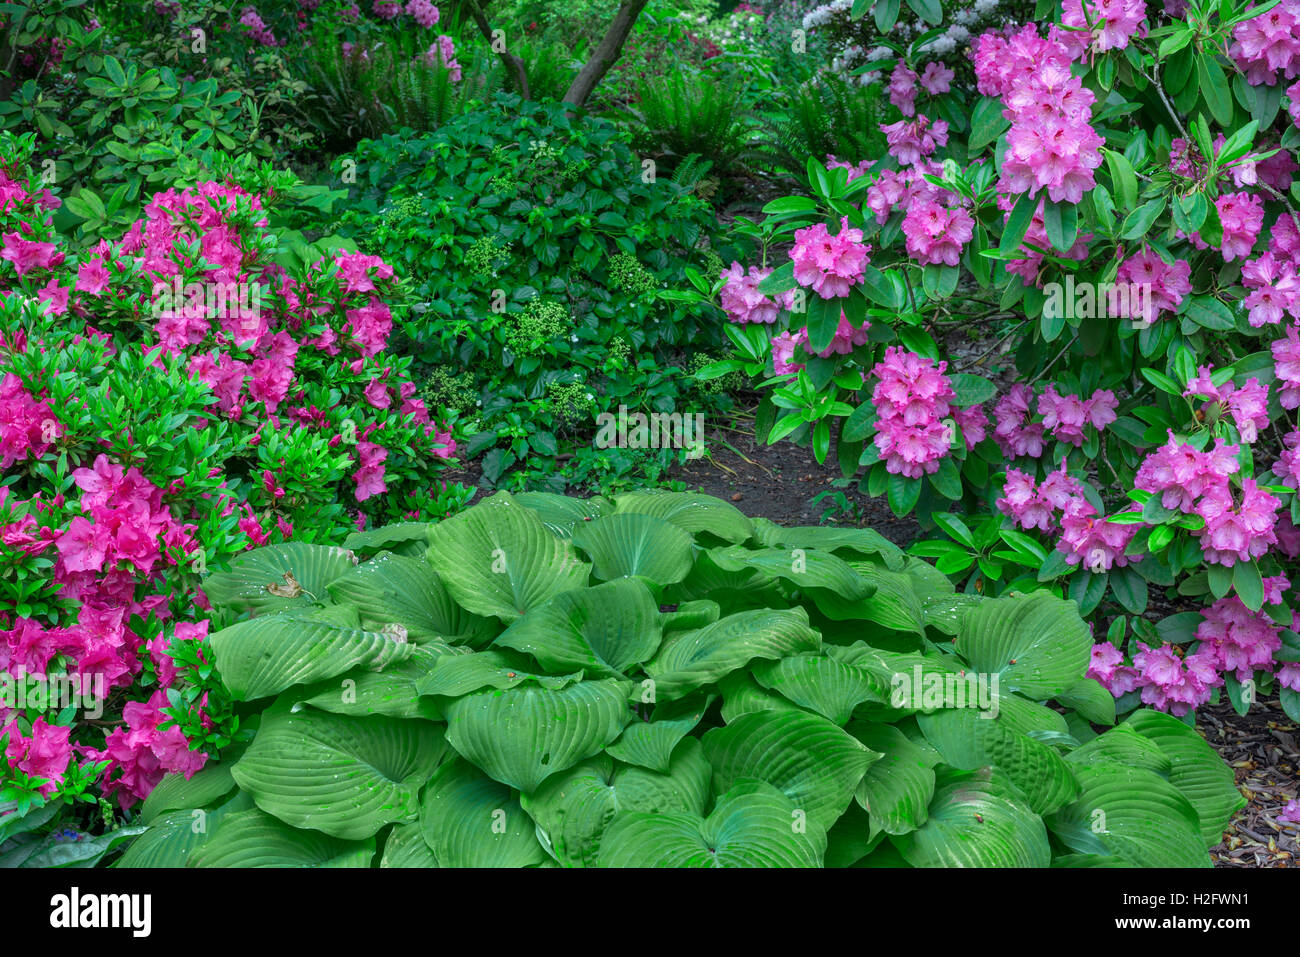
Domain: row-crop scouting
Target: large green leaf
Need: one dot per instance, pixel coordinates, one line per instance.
(691, 659)
(862, 541)
(345, 776)
(1131, 813)
(393, 691)
(572, 809)
(976, 819)
(1036, 643)
(650, 744)
(1195, 769)
(1123, 745)
(896, 790)
(562, 513)
(407, 848)
(456, 675)
(741, 694)
(753, 825)
(174, 836)
(278, 577)
(174, 791)
(523, 735)
(498, 560)
(602, 630)
(405, 538)
(265, 655)
(892, 603)
(821, 682)
(803, 568)
(390, 589)
(469, 820)
(623, 545)
(256, 839)
(690, 511)
(803, 755)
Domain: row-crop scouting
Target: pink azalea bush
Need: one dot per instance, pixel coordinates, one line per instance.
(146, 437)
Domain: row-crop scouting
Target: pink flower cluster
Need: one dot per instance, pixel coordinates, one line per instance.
(1036, 504)
(935, 234)
(28, 426)
(911, 141)
(899, 189)
(1236, 639)
(935, 79)
(1200, 483)
(845, 340)
(742, 301)
(44, 755)
(142, 753)
(1113, 23)
(1064, 415)
(442, 52)
(1266, 45)
(1286, 366)
(257, 29)
(1248, 404)
(1242, 216)
(1036, 236)
(829, 265)
(912, 398)
(1051, 144)
(1169, 283)
(854, 172)
(424, 12)
(1093, 540)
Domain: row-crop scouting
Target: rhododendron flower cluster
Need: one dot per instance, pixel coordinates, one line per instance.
(1065, 416)
(829, 265)
(1108, 25)
(935, 234)
(1248, 404)
(1168, 283)
(911, 141)
(899, 189)
(1268, 45)
(1242, 216)
(1092, 540)
(424, 12)
(1029, 267)
(742, 301)
(442, 52)
(1038, 504)
(912, 399)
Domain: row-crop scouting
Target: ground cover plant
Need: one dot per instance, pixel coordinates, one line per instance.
(656, 680)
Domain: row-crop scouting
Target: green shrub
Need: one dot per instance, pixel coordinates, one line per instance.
(658, 681)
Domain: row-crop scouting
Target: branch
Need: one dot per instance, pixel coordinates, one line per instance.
(606, 53)
(512, 63)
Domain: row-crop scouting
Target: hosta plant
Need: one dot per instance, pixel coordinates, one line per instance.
(657, 680)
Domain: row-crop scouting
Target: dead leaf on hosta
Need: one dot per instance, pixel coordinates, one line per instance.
(290, 588)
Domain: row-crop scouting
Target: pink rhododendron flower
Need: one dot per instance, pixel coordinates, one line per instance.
(830, 265)
(912, 398)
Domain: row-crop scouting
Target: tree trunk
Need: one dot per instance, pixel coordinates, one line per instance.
(606, 53)
(513, 64)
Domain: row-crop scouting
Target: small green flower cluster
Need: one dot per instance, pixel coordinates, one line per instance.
(485, 256)
(571, 403)
(541, 322)
(627, 274)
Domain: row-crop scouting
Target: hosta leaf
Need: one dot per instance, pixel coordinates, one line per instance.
(1123, 745)
(753, 825)
(1131, 813)
(976, 820)
(892, 604)
(623, 545)
(803, 755)
(278, 577)
(561, 513)
(803, 568)
(969, 740)
(256, 839)
(1088, 697)
(819, 682)
(469, 820)
(602, 630)
(390, 589)
(691, 615)
(650, 744)
(456, 675)
(1195, 769)
(525, 734)
(691, 512)
(896, 790)
(574, 808)
(1036, 643)
(946, 612)
(392, 692)
(342, 775)
(414, 535)
(174, 792)
(741, 694)
(406, 847)
(692, 659)
(173, 836)
(862, 541)
(498, 560)
(265, 655)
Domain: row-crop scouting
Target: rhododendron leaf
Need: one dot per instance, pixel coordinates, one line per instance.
(929, 10)
(174, 836)
(343, 775)
(819, 682)
(256, 839)
(1248, 584)
(970, 739)
(690, 512)
(562, 513)
(1214, 88)
(1132, 813)
(392, 589)
(470, 820)
(627, 544)
(1129, 589)
(278, 577)
(650, 744)
(392, 691)
(1037, 644)
(1210, 313)
(407, 848)
(781, 280)
(753, 825)
(602, 630)
(523, 735)
(692, 659)
(804, 568)
(896, 790)
(903, 494)
(976, 819)
(498, 559)
(1062, 223)
(823, 321)
(267, 654)
(573, 809)
(453, 676)
(1013, 233)
(816, 764)
(987, 123)
(1196, 770)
